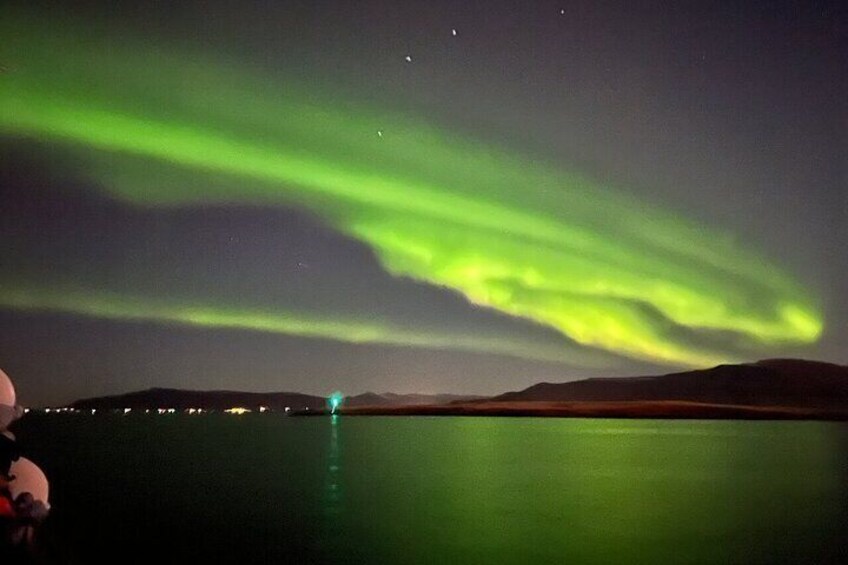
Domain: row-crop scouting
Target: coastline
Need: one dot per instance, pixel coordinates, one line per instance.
(665, 409)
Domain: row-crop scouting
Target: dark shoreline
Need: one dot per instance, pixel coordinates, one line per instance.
(678, 410)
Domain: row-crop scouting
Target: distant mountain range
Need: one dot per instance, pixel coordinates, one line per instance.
(178, 399)
(774, 388)
(770, 389)
(208, 400)
(392, 399)
(773, 382)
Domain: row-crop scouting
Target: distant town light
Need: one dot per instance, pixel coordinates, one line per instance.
(238, 410)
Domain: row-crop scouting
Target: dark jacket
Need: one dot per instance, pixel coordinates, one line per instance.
(9, 452)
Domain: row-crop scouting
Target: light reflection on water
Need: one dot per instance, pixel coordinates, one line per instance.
(587, 491)
(333, 491)
(368, 490)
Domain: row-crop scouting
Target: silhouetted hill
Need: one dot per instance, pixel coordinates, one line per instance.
(223, 399)
(775, 382)
(208, 400)
(392, 399)
(770, 389)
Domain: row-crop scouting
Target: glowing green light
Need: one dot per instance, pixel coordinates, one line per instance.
(507, 232)
(335, 400)
(36, 296)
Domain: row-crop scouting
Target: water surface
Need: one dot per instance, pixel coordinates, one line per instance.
(271, 489)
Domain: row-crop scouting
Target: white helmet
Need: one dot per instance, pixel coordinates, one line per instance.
(7, 390)
(9, 411)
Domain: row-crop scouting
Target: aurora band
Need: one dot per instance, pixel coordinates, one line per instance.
(154, 127)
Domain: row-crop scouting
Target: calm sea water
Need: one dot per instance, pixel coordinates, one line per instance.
(270, 489)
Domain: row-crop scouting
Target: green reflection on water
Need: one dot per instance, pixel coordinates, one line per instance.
(262, 489)
(594, 491)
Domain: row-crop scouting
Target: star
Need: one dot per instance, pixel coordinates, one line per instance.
(379, 133)
(408, 59)
(453, 32)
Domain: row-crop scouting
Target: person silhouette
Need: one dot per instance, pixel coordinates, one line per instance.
(9, 453)
(24, 502)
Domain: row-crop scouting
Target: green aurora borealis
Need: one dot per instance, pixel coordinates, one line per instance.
(524, 237)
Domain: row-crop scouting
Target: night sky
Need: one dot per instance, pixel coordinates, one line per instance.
(418, 197)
